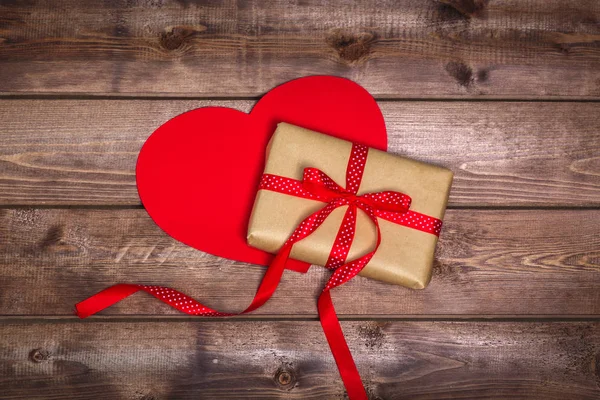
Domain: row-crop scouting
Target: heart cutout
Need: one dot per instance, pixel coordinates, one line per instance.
(197, 174)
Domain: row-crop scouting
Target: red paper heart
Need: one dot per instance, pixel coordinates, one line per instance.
(197, 174)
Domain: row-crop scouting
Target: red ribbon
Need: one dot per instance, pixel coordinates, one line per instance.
(315, 185)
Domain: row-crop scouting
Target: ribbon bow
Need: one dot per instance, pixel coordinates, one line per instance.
(318, 186)
(315, 185)
(323, 187)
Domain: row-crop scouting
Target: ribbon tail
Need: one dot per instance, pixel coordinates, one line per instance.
(339, 348)
(104, 299)
(116, 293)
(271, 280)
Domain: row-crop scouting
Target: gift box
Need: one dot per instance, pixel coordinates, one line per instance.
(407, 238)
(383, 222)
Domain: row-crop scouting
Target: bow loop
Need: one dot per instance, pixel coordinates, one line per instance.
(319, 184)
(316, 185)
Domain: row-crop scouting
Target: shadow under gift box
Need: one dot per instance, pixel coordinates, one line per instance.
(405, 255)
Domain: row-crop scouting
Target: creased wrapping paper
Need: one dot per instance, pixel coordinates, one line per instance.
(405, 256)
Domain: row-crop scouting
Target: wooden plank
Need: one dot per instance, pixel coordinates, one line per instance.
(83, 152)
(396, 49)
(489, 263)
(291, 360)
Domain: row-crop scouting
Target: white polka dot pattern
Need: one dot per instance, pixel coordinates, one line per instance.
(348, 271)
(316, 185)
(413, 220)
(389, 205)
(388, 201)
(356, 167)
(343, 240)
(182, 302)
(284, 185)
(310, 224)
(315, 177)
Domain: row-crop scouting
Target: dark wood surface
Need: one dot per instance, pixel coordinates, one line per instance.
(489, 263)
(83, 152)
(290, 360)
(505, 93)
(396, 49)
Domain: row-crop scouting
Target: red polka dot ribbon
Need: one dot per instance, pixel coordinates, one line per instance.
(315, 185)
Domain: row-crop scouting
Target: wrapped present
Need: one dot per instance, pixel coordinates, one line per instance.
(299, 159)
(327, 201)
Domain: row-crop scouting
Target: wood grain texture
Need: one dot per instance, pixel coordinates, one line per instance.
(83, 152)
(489, 263)
(523, 263)
(396, 49)
(291, 360)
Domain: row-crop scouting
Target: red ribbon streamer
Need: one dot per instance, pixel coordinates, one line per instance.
(315, 185)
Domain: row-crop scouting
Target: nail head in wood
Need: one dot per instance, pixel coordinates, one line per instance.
(285, 379)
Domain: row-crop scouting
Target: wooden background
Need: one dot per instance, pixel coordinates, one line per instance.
(504, 92)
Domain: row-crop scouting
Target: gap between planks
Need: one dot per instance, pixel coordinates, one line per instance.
(167, 97)
(302, 318)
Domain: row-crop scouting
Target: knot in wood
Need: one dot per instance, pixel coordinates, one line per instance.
(372, 334)
(39, 355)
(465, 8)
(173, 38)
(350, 47)
(461, 72)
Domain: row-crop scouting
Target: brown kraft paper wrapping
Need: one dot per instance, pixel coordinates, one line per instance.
(405, 255)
